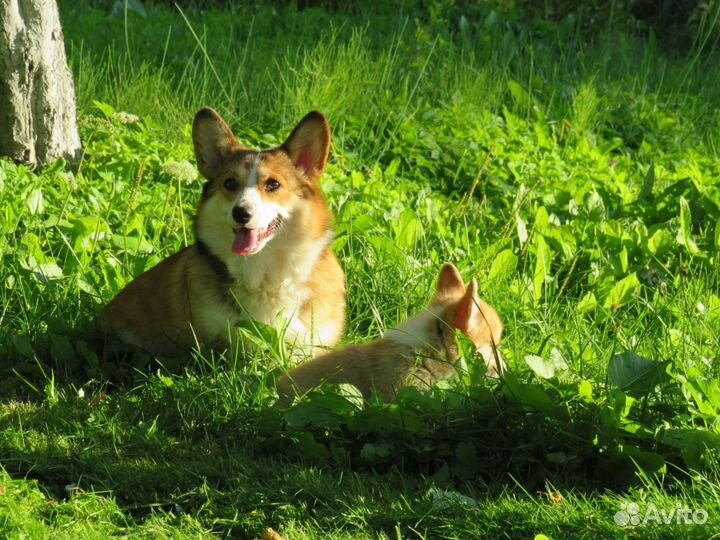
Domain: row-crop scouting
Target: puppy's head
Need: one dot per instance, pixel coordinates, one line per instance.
(460, 308)
(250, 194)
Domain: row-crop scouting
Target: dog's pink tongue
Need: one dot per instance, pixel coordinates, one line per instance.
(245, 241)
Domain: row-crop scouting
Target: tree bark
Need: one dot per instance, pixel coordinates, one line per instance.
(37, 97)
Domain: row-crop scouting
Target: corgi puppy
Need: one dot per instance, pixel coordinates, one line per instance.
(420, 352)
(262, 251)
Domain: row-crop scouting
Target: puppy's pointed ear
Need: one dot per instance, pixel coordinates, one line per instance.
(467, 308)
(449, 281)
(213, 141)
(309, 144)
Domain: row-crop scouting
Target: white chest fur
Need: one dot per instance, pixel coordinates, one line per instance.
(270, 287)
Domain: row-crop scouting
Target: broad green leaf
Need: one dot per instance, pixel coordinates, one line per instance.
(543, 258)
(361, 223)
(595, 206)
(684, 235)
(660, 242)
(634, 374)
(133, 244)
(107, 110)
(54, 167)
(519, 94)
(352, 394)
(533, 395)
(86, 230)
(620, 403)
(521, 230)
(33, 249)
(694, 444)
(542, 368)
(411, 398)
(167, 381)
(623, 260)
(47, 271)
(35, 201)
(392, 169)
(493, 20)
(558, 360)
(445, 500)
(307, 447)
(622, 291)
(326, 410)
(383, 421)
(648, 184)
(713, 308)
(542, 218)
(408, 230)
(562, 237)
(135, 224)
(649, 462)
(260, 333)
(372, 453)
(503, 266)
(585, 391)
(467, 462)
(521, 287)
(558, 457)
(587, 303)
(540, 128)
(704, 392)
(387, 249)
(22, 345)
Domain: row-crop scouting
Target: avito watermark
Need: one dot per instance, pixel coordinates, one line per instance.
(630, 514)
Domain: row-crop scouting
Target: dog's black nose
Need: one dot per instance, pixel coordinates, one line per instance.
(241, 215)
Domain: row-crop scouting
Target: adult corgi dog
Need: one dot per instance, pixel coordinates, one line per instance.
(262, 250)
(420, 352)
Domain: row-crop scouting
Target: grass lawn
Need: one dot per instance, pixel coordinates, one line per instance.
(571, 164)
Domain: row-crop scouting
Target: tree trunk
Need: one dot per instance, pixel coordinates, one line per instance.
(37, 97)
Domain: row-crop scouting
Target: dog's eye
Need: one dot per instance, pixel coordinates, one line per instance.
(230, 184)
(271, 185)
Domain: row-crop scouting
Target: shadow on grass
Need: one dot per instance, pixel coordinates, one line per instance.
(32, 366)
(205, 445)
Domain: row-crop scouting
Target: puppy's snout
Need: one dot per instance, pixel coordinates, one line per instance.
(241, 215)
(493, 360)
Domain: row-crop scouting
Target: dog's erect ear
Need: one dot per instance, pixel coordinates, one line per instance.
(213, 141)
(467, 308)
(449, 281)
(309, 144)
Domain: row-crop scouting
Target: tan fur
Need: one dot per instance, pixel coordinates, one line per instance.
(197, 295)
(420, 352)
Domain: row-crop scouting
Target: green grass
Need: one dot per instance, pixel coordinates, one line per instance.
(573, 172)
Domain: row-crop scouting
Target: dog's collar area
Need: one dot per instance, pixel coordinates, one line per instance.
(216, 264)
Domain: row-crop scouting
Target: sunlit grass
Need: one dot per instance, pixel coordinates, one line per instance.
(494, 147)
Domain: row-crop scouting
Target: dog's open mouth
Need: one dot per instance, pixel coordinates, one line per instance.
(249, 241)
